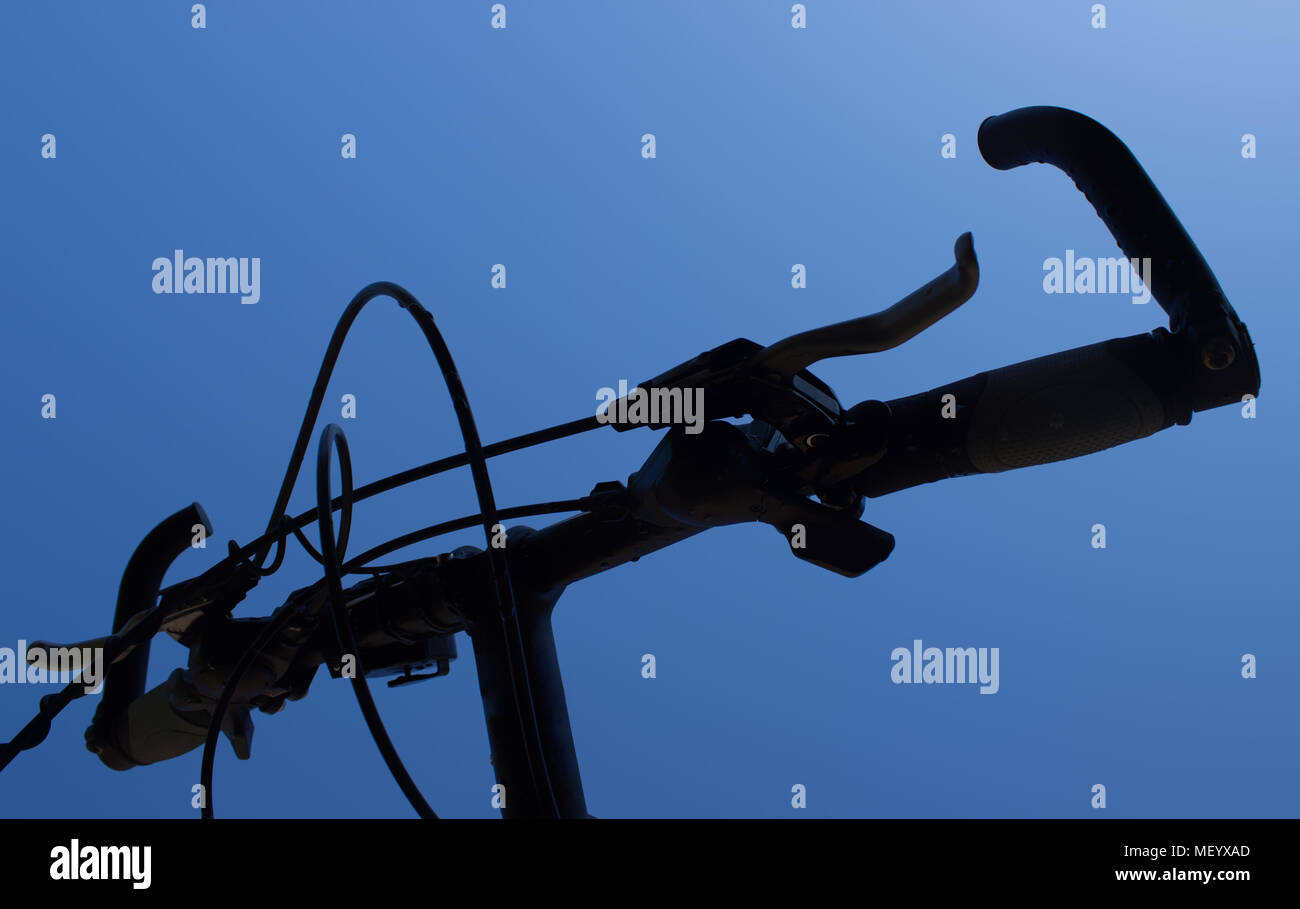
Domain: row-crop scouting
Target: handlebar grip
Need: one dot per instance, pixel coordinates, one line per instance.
(137, 593)
(1126, 200)
(1051, 408)
(150, 730)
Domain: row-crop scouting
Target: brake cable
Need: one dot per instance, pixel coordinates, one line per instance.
(474, 455)
(289, 525)
(332, 553)
(357, 564)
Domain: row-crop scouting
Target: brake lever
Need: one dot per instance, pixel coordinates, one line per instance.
(216, 591)
(773, 384)
(882, 330)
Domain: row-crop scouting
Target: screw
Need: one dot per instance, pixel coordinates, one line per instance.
(1218, 354)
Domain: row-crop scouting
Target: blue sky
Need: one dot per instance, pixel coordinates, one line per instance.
(775, 146)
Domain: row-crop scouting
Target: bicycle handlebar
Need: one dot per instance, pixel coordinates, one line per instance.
(1051, 408)
(151, 729)
(1126, 200)
(1145, 227)
(800, 443)
(1084, 400)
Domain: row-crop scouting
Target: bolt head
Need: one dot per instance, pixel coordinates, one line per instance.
(1218, 354)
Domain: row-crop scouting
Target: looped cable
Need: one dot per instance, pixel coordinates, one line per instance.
(332, 554)
(516, 662)
(236, 553)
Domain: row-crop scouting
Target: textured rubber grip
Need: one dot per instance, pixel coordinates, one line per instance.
(1126, 200)
(1061, 406)
(150, 730)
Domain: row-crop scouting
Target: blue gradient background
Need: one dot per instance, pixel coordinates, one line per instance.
(775, 146)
